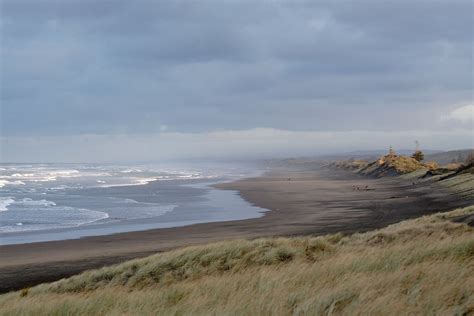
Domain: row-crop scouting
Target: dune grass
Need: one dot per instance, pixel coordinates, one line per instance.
(421, 266)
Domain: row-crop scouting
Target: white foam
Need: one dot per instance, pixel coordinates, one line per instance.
(131, 170)
(61, 217)
(39, 175)
(135, 181)
(5, 202)
(144, 181)
(6, 182)
(30, 202)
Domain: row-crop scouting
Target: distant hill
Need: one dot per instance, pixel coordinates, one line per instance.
(368, 155)
(442, 158)
(436, 168)
(371, 154)
(354, 160)
(379, 152)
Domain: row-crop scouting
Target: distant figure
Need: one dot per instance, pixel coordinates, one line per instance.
(366, 188)
(289, 179)
(413, 184)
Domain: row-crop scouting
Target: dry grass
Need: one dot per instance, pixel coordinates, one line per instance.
(392, 166)
(452, 166)
(422, 266)
(404, 164)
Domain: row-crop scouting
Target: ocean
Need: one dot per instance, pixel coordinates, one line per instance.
(45, 202)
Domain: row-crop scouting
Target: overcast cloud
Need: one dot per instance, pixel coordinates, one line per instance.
(265, 75)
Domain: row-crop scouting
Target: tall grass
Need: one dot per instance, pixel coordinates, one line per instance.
(421, 266)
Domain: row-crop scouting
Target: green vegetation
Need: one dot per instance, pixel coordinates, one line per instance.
(421, 266)
(418, 156)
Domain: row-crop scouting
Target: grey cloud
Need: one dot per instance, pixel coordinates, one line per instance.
(105, 67)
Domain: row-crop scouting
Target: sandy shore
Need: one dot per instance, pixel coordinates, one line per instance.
(316, 202)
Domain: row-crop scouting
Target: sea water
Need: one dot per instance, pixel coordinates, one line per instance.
(43, 202)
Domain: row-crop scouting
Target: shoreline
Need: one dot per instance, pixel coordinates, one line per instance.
(191, 202)
(301, 203)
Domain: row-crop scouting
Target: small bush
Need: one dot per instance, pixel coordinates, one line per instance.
(284, 255)
(418, 155)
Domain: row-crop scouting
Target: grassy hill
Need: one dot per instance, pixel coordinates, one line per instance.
(421, 266)
(389, 165)
(392, 166)
(459, 178)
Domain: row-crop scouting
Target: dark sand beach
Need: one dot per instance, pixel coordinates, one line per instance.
(301, 203)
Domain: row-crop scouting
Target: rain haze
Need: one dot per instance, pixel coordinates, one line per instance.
(99, 81)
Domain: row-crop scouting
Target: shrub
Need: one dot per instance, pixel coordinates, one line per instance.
(418, 155)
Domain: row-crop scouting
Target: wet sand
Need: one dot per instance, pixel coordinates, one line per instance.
(301, 203)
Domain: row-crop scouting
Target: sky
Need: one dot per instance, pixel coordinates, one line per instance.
(104, 81)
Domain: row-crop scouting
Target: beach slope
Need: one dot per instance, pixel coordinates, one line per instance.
(301, 202)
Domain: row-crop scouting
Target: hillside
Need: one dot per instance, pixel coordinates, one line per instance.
(459, 178)
(388, 165)
(349, 164)
(447, 157)
(460, 181)
(392, 166)
(314, 162)
(421, 266)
